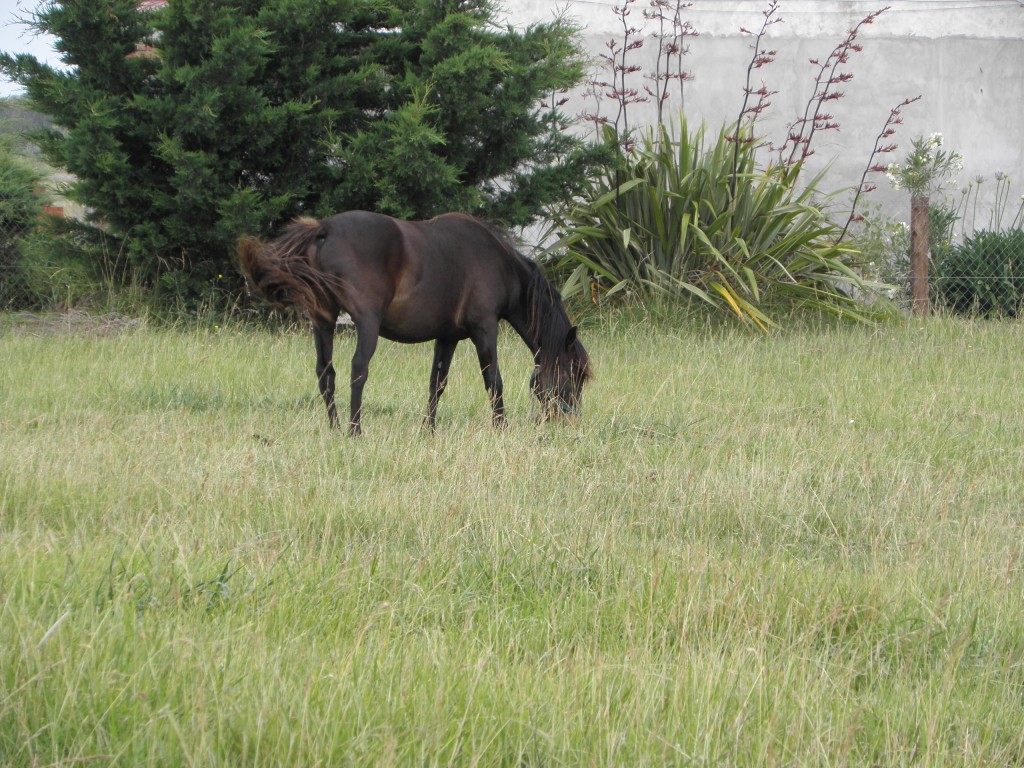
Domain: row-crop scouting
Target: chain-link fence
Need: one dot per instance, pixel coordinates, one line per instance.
(30, 252)
(981, 276)
(15, 292)
(975, 265)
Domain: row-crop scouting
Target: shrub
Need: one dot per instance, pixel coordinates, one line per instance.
(984, 276)
(20, 208)
(885, 246)
(683, 219)
(926, 169)
(69, 264)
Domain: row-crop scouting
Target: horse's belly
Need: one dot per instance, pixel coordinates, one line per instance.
(417, 337)
(413, 330)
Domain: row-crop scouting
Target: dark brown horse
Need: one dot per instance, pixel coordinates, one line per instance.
(447, 279)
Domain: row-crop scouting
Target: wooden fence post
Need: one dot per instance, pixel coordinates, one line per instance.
(919, 255)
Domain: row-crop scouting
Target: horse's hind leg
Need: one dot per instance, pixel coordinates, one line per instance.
(485, 339)
(443, 352)
(366, 344)
(323, 338)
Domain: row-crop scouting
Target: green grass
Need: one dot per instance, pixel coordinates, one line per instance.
(797, 549)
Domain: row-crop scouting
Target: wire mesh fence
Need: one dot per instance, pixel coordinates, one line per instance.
(982, 276)
(15, 293)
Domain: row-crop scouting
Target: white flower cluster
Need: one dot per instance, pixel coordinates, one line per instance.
(894, 173)
(926, 167)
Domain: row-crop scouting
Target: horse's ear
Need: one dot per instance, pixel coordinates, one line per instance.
(570, 338)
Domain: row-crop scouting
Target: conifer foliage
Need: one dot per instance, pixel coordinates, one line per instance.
(196, 122)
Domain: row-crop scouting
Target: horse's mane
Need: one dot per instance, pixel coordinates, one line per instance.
(283, 272)
(548, 322)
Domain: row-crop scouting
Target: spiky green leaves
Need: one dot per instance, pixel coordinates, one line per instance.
(688, 218)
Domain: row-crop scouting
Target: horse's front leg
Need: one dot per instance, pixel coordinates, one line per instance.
(366, 344)
(444, 350)
(486, 341)
(323, 339)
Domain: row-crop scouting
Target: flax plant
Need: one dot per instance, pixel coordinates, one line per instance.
(668, 223)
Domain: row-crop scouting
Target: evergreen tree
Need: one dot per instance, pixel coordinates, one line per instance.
(192, 124)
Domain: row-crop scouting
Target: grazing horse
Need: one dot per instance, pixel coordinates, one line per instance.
(447, 279)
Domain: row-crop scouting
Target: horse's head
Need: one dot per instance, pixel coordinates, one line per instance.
(557, 381)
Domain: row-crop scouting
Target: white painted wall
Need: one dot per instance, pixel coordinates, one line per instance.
(964, 57)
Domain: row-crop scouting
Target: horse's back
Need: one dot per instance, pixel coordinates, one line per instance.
(425, 279)
(449, 240)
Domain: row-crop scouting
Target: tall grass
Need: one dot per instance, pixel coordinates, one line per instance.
(802, 548)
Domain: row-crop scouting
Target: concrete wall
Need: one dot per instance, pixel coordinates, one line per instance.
(965, 58)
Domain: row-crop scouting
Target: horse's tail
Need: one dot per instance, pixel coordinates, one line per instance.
(283, 272)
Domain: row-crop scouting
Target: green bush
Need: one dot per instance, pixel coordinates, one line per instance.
(884, 244)
(984, 276)
(68, 263)
(685, 219)
(20, 209)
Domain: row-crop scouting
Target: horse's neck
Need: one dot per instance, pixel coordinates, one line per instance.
(532, 330)
(519, 319)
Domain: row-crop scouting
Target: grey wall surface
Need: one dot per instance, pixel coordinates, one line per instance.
(965, 58)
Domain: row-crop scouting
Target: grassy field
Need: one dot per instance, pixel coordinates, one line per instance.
(797, 549)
